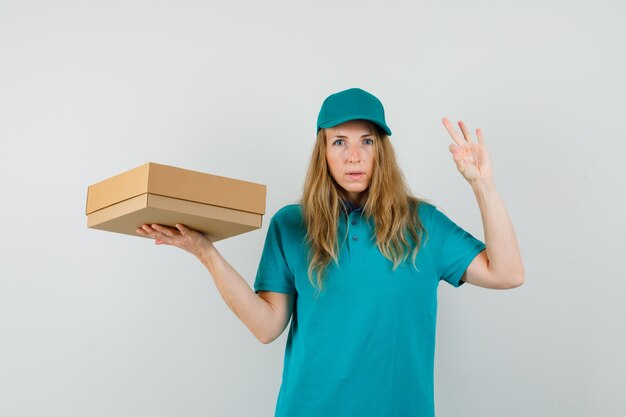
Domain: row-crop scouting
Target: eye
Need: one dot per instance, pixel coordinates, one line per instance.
(337, 141)
(368, 141)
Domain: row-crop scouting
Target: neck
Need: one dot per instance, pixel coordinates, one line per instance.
(356, 199)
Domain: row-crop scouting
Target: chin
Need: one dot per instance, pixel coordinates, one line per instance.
(352, 188)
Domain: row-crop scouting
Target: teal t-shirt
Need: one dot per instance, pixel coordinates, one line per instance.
(366, 346)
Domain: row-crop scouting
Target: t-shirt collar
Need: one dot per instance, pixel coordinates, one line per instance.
(350, 207)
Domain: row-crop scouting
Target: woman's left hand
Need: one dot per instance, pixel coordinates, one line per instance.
(471, 158)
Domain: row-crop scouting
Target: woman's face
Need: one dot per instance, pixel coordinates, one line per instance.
(350, 157)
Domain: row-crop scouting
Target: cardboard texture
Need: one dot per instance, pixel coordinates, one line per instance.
(218, 207)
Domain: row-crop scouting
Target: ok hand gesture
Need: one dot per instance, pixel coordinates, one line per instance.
(471, 158)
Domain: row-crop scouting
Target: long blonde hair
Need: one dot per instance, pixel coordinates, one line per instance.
(389, 203)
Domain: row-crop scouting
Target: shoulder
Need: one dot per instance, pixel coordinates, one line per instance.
(425, 208)
(425, 211)
(288, 211)
(288, 216)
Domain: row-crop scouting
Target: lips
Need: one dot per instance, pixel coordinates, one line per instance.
(355, 175)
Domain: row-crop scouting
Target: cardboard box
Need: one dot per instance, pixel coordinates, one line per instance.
(218, 207)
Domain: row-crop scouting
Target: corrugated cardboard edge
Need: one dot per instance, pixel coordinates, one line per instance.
(120, 187)
(157, 179)
(174, 205)
(216, 223)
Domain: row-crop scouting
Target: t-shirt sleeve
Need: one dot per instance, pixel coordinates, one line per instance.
(453, 248)
(273, 273)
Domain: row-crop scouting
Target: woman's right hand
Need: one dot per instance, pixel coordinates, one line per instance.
(182, 237)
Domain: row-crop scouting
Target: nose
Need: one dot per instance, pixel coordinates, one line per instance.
(354, 155)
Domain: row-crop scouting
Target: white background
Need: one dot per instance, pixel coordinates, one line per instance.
(94, 323)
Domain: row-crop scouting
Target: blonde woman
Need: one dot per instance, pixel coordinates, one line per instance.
(356, 266)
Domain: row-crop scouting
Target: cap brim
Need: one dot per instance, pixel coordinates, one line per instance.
(339, 121)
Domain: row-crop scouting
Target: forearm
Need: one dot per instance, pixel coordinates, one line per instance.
(503, 251)
(252, 310)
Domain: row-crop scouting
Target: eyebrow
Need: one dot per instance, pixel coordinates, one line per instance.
(345, 137)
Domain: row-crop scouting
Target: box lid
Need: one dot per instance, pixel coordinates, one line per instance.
(179, 183)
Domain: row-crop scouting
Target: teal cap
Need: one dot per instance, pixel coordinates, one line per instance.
(351, 104)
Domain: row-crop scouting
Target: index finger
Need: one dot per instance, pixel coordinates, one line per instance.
(453, 133)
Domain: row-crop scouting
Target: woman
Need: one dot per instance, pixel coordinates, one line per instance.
(356, 267)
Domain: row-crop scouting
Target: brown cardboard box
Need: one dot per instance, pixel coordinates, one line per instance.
(218, 207)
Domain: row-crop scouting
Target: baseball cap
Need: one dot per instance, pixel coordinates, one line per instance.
(351, 104)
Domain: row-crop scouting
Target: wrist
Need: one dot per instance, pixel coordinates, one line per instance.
(482, 186)
(207, 255)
